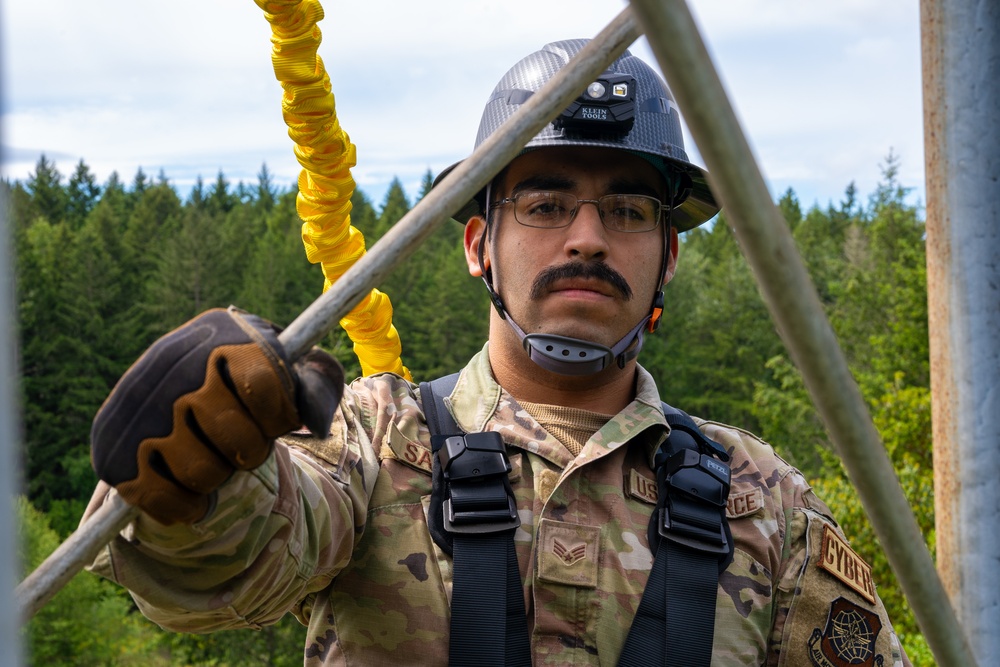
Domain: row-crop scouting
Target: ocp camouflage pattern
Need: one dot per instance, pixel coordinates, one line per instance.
(334, 530)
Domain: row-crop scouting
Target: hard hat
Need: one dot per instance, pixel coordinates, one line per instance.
(629, 107)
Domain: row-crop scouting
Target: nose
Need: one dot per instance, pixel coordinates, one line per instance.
(586, 236)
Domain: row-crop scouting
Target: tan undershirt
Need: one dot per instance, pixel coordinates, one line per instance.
(570, 426)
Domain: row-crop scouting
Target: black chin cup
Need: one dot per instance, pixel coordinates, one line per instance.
(567, 356)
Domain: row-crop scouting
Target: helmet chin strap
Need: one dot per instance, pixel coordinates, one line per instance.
(573, 356)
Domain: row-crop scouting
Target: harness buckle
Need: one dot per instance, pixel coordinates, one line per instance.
(478, 497)
(693, 513)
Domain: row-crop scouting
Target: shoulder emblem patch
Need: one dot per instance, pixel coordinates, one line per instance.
(840, 560)
(848, 639)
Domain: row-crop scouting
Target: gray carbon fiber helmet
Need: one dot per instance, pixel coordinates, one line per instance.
(655, 134)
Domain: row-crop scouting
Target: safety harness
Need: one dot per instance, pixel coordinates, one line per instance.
(473, 516)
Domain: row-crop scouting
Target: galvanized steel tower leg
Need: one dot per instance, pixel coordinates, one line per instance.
(796, 309)
(961, 63)
(9, 640)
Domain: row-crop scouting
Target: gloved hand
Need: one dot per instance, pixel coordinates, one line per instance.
(208, 398)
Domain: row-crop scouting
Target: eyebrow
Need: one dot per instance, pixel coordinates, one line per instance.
(559, 183)
(543, 183)
(626, 187)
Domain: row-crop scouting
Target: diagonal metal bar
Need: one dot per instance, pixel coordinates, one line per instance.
(393, 248)
(795, 307)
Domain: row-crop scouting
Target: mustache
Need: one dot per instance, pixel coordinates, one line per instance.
(595, 270)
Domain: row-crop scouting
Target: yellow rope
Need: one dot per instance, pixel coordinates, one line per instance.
(326, 154)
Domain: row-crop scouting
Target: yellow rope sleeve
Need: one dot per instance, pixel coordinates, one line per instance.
(326, 154)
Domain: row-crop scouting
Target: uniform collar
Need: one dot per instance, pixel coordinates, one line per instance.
(478, 403)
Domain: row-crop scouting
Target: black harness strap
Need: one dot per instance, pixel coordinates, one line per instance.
(674, 629)
(473, 517)
(675, 622)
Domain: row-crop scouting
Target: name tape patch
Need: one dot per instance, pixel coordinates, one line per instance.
(641, 487)
(745, 503)
(840, 560)
(411, 453)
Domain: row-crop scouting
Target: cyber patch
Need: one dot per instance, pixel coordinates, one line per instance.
(848, 639)
(840, 560)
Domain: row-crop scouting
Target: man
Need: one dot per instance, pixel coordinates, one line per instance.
(365, 535)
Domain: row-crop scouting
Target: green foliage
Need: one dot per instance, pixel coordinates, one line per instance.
(102, 271)
(395, 206)
(720, 357)
(278, 645)
(869, 268)
(902, 414)
(440, 311)
(90, 621)
(715, 333)
(82, 193)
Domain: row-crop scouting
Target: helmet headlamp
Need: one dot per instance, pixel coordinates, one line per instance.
(606, 107)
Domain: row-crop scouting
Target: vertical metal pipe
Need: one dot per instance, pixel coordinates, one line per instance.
(795, 307)
(960, 42)
(9, 638)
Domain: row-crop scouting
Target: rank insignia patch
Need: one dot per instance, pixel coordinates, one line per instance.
(848, 639)
(567, 553)
(839, 559)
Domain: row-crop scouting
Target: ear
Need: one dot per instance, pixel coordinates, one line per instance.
(474, 230)
(672, 252)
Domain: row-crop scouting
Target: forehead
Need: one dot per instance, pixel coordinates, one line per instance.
(577, 168)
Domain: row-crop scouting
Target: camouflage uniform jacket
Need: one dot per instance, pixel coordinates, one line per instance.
(334, 530)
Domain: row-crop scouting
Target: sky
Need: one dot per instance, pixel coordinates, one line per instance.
(824, 90)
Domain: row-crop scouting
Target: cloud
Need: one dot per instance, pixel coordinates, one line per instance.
(823, 89)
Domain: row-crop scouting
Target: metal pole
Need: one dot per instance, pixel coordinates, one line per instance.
(795, 307)
(398, 243)
(9, 449)
(961, 61)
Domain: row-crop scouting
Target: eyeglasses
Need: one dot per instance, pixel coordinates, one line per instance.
(552, 210)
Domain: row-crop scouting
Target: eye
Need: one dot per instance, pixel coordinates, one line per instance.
(541, 207)
(630, 210)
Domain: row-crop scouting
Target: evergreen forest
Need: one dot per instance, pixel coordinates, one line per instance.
(103, 269)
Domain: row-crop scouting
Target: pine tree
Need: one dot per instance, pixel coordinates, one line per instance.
(139, 183)
(266, 190)
(278, 281)
(48, 197)
(426, 184)
(83, 193)
(60, 373)
(363, 216)
(394, 207)
(219, 198)
(197, 196)
(189, 277)
(715, 333)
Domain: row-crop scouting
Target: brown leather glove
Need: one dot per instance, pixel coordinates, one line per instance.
(208, 398)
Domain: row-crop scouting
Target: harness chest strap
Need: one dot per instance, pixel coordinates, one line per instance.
(473, 518)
